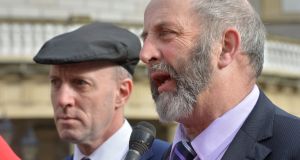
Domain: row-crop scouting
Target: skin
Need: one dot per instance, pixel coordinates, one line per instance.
(88, 102)
(171, 28)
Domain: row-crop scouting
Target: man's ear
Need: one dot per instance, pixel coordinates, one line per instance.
(124, 92)
(230, 45)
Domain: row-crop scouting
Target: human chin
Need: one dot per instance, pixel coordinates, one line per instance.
(176, 105)
(69, 135)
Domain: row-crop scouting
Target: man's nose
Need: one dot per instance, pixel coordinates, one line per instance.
(64, 96)
(149, 52)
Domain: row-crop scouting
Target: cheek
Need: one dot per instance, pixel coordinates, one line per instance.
(170, 53)
(52, 97)
(175, 55)
(54, 103)
(101, 115)
(102, 104)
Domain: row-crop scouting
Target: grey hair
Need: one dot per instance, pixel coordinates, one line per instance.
(218, 15)
(122, 73)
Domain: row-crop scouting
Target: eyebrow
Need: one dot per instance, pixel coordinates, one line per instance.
(157, 27)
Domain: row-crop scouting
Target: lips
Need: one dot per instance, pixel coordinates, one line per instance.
(163, 81)
(66, 118)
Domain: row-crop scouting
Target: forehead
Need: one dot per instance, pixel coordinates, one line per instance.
(81, 68)
(162, 10)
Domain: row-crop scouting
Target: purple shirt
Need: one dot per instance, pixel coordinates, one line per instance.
(212, 143)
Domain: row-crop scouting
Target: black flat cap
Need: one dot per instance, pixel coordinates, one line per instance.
(93, 42)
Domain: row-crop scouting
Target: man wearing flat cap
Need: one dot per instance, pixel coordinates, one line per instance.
(91, 81)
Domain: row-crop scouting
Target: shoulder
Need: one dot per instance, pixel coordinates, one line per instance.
(285, 141)
(286, 125)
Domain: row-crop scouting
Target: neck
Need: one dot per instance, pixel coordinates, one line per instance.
(208, 108)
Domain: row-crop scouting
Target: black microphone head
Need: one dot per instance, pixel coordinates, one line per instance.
(147, 127)
(142, 137)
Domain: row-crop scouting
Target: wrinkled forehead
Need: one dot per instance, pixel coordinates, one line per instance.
(174, 12)
(83, 67)
(172, 5)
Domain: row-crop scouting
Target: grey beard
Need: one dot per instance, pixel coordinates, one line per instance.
(192, 79)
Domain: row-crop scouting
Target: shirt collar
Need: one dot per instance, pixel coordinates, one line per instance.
(215, 139)
(113, 148)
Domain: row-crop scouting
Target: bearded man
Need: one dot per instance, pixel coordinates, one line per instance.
(204, 58)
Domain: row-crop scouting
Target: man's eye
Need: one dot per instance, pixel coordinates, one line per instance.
(82, 85)
(53, 82)
(80, 82)
(164, 33)
(167, 34)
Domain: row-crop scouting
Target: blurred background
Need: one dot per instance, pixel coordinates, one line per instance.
(25, 108)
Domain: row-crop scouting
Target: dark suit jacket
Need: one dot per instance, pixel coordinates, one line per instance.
(154, 153)
(269, 133)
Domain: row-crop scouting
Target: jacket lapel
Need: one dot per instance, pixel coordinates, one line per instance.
(257, 128)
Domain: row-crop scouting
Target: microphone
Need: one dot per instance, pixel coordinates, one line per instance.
(141, 140)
